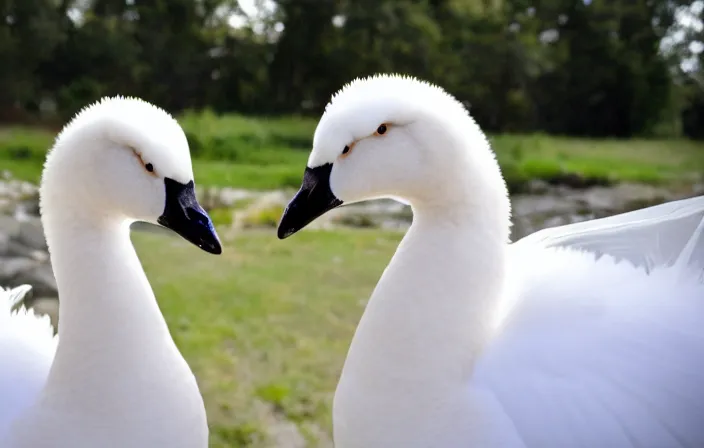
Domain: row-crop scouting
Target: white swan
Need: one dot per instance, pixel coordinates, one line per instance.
(588, 351)
(113, 377)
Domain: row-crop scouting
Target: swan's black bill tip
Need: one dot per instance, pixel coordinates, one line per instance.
(314, 199)
(284, 233)
(184, 215)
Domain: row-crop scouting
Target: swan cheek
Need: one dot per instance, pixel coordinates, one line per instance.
(184, 215)
(314, 199)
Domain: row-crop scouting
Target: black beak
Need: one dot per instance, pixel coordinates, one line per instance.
(184, 215)
(312, 200)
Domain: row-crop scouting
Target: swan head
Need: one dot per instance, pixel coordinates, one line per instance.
(399, 137)
(124, 160)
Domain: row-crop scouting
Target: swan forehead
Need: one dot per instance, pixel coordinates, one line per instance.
(356, 110)
(147, 129)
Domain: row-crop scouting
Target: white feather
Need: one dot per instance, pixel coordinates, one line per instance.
(655, 236)
(587, 335)
(608, 351)
(113, 377)
(27, 348)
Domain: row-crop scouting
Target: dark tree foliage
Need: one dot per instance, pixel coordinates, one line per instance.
(593, 68)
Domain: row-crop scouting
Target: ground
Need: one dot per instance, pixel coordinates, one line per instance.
(266, 325)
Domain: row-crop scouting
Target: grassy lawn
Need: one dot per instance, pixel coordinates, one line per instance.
(269, 153)
(266, 325)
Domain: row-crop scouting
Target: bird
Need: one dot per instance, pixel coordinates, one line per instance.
(583, 335)
(112, 376)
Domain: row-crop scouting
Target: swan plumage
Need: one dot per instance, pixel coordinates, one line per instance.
(27, 344)
(656, 236)
(112, 376)
(583, 335)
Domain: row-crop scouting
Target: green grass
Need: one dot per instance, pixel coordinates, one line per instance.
(269, 153)
(266, 325)
(646, 161)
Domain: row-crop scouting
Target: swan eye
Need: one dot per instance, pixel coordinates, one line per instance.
(381, 130)
(147, 166)
(347, 149)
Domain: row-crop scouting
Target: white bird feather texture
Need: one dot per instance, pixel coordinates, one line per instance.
(113, 376)
(27, 345)
(586, 335)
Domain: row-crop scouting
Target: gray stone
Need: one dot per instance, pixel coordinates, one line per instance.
(42, 280)
(27, 208)
(9, 226)
(4, 244)
(6, 206)
(17, 249)
(229, 196)
(5, 189)
(47, 306)
(537, 186)
(32, 233)
(27, 189)
(15, 189)
(11, 268)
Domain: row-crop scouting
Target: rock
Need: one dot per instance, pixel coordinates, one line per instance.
(623, 197)
(285, 434)
(4, 244)
(27, 189)
(17, 249)
(27, 208)
(32, 233)
(383, 213)
(525, 205)
(230, 196)
(11, 268)
(543, 205)
(563, 205)
(537, 186)
(6, 206)
(23, 252)
(214, 197)
(47, 306)
(24, 257)
(9, 226)
(42, 280)
(280, 432)
(265, 211)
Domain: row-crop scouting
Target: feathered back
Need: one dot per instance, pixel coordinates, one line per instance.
(13, 296)
(27, 348)
(14, 315)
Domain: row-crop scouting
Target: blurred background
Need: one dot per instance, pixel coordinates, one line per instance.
(593, 107)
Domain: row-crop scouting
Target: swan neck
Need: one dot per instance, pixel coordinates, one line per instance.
(424, 327)
(444, 281)
(429, 315)
(108, 313)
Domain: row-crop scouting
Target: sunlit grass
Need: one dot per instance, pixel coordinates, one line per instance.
(266, 325)
(269, 153)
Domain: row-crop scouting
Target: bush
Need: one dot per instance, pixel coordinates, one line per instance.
(242, 139)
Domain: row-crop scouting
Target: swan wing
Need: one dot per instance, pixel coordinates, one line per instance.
(27, 348)
(596, 352)
(655, 236)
